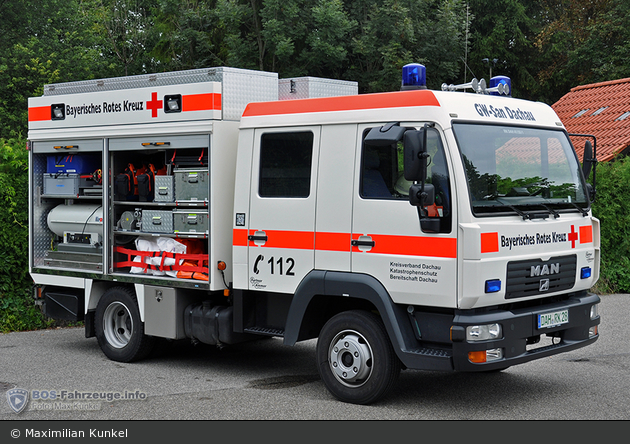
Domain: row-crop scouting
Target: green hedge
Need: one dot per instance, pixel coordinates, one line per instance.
(613, 210)
(18, 313)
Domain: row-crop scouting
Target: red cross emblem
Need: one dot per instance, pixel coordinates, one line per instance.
(154, 104)
(573, 236)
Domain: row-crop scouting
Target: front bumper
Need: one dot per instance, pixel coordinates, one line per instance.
(520, 327)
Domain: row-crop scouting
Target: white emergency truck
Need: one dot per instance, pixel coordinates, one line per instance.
(416, 229)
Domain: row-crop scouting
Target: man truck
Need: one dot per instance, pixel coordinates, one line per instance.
(415, 229)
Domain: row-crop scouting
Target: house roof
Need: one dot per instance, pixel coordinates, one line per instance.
(601, 109)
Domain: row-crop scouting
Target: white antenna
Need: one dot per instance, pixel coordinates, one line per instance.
(466, 44)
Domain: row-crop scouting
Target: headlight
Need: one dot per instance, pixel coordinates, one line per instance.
(484, 332)
(594, 311)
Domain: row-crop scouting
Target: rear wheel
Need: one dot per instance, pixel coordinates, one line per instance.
(119, 330)
(355, 357)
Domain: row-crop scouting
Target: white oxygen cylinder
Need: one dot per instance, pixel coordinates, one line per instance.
(76, 218)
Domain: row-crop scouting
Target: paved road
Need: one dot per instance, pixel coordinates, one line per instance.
(264, 380)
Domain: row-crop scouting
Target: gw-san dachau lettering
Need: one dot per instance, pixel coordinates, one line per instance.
(503, 112)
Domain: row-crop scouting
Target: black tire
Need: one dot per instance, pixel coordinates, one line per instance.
(355, 358)
(119, 331)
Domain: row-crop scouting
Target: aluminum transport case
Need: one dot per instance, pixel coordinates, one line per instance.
(191, 184)
(190, 222)
(157, 221)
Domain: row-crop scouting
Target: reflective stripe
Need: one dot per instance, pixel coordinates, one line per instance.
(239, 237)
(489, 242)
(332, 241)
(586, 234)
(343, 103)
(445, 247)
(39, 113)
(201, 102)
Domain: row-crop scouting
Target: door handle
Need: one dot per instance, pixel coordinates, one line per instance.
(362, 243)
(259, 236)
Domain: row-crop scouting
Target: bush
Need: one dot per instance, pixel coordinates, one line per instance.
(17, 311)
(613, 210)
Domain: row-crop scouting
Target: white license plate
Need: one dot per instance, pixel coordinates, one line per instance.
(547, 320)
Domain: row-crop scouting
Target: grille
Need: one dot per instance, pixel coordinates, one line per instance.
(560, 271)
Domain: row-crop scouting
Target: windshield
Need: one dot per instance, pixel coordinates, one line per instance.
(512, 169)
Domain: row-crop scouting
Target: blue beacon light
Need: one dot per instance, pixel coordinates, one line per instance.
(414, 76)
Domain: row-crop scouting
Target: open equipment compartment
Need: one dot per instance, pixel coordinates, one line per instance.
(67, 204)
(145, 240)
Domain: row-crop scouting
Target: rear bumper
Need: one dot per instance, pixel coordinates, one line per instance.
(520, 326)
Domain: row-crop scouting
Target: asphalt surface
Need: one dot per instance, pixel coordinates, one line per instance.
(265, 380)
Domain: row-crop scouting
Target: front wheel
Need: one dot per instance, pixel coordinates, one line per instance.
(355, 357)
(119, 330)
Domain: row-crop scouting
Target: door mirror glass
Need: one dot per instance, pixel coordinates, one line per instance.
(415, 154)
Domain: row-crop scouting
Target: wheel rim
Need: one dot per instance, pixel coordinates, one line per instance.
(350, 358)
(117, 324)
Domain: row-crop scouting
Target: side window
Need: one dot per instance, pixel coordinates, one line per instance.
(438, 176)
(285, 164)
(382, 172)
(382, 175)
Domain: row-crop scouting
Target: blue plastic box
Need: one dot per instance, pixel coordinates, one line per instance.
(79, 163)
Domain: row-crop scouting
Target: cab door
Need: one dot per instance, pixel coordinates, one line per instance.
(281, 229)
(388, 243)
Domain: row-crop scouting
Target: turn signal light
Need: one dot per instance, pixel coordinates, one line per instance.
(477, 357)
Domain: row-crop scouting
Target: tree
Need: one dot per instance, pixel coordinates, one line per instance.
(392, 33)
(125, 30)
(51, 41)
(505, 31)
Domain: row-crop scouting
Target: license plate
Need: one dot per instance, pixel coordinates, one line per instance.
(547, 320)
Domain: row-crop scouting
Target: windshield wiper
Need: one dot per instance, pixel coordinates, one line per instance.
(530, 215)
(579, 208)
(552, 211)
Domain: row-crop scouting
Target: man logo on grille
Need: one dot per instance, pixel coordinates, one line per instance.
(541, 270)
(544, 285)
(17, 398)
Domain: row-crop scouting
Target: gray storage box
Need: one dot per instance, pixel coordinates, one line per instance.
(239, 86)
(309, 87)
(164, 311)
(190, 222)
(164, 189)
(157, 221)
(63, 185)
(191, 184)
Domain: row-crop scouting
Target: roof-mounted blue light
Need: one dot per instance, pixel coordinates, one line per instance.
(414, 76)
(504, 90)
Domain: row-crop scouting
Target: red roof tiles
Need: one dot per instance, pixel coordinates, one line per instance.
(604, 103)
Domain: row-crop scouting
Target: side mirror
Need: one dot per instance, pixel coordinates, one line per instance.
(415, 154)
(385, 135)
(422, 195)
(587, 159)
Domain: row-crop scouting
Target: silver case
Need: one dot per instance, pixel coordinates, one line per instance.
(191, 184)
(66, 185)
(190, 222)
(157, 221)
(164, 189)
